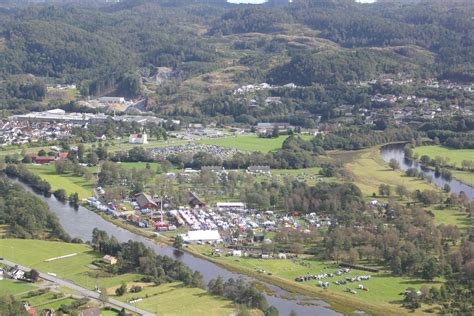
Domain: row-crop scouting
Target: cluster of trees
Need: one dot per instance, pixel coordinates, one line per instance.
(353, 138)
(10, 306)
(135, 257)
(113, 174)
(250, 20)
(113, 129)
(26, 89)
(21, 172)
(407, 247)
(238, 291)
(28, 216)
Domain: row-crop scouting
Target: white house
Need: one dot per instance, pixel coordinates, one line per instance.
(138, 138)
(17, 274)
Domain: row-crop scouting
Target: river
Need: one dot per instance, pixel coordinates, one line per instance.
(81, 222)
(395, 151)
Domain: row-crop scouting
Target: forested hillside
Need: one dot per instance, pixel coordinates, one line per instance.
(212, 48)
(23, 215)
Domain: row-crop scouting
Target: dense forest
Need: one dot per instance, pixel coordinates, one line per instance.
(26, 215)
(211, 47)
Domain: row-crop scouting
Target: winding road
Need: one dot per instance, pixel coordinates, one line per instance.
(85, 292)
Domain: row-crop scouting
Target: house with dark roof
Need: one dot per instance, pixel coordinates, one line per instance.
(194, 200)
(145, 201)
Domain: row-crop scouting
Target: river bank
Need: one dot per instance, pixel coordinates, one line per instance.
(80, 223)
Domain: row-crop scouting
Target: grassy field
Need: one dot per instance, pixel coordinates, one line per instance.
(383, 288)
(370, 170)
(168, 299)
(175, 299)
(14, 287)
(452, 217)
(465, 177)
(455, 156)
(55, 304)
(249, 142)
(66, 181)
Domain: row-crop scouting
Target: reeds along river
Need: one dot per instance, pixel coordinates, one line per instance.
(80, 223)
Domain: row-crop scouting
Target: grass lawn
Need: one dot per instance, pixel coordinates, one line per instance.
(54, 304)
(383, 288)
(175, 299)
(452, 217)
(465, 177)
(455, 155)
(370, 170)
(14, 287)
(67, 182)
(32, 253)
(250, 142)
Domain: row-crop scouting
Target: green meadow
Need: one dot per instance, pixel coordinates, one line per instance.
(168, 299)
(14, 287)
(176, 299)
(67, 181)
(370, 170)
(250, 143)
(455, 156)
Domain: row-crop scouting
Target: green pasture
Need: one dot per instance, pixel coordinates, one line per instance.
(370, 170)
(67, 181)
(14, 287)
(452, 217)
(249, 143)
(455, 156)
(383, 287)
(465, 177)
(33, 253)
(55, 304)
(176, 299)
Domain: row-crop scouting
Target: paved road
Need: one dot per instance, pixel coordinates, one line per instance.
(79, 289)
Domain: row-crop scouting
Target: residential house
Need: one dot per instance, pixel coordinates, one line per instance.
(141, 138)
(109, 259)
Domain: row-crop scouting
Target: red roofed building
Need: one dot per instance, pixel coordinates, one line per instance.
(42, 159)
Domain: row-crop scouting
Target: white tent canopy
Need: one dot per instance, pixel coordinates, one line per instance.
(202, 235)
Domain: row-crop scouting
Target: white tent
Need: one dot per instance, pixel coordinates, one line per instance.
(202, 235)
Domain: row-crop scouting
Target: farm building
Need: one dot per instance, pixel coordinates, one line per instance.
(42, 159)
